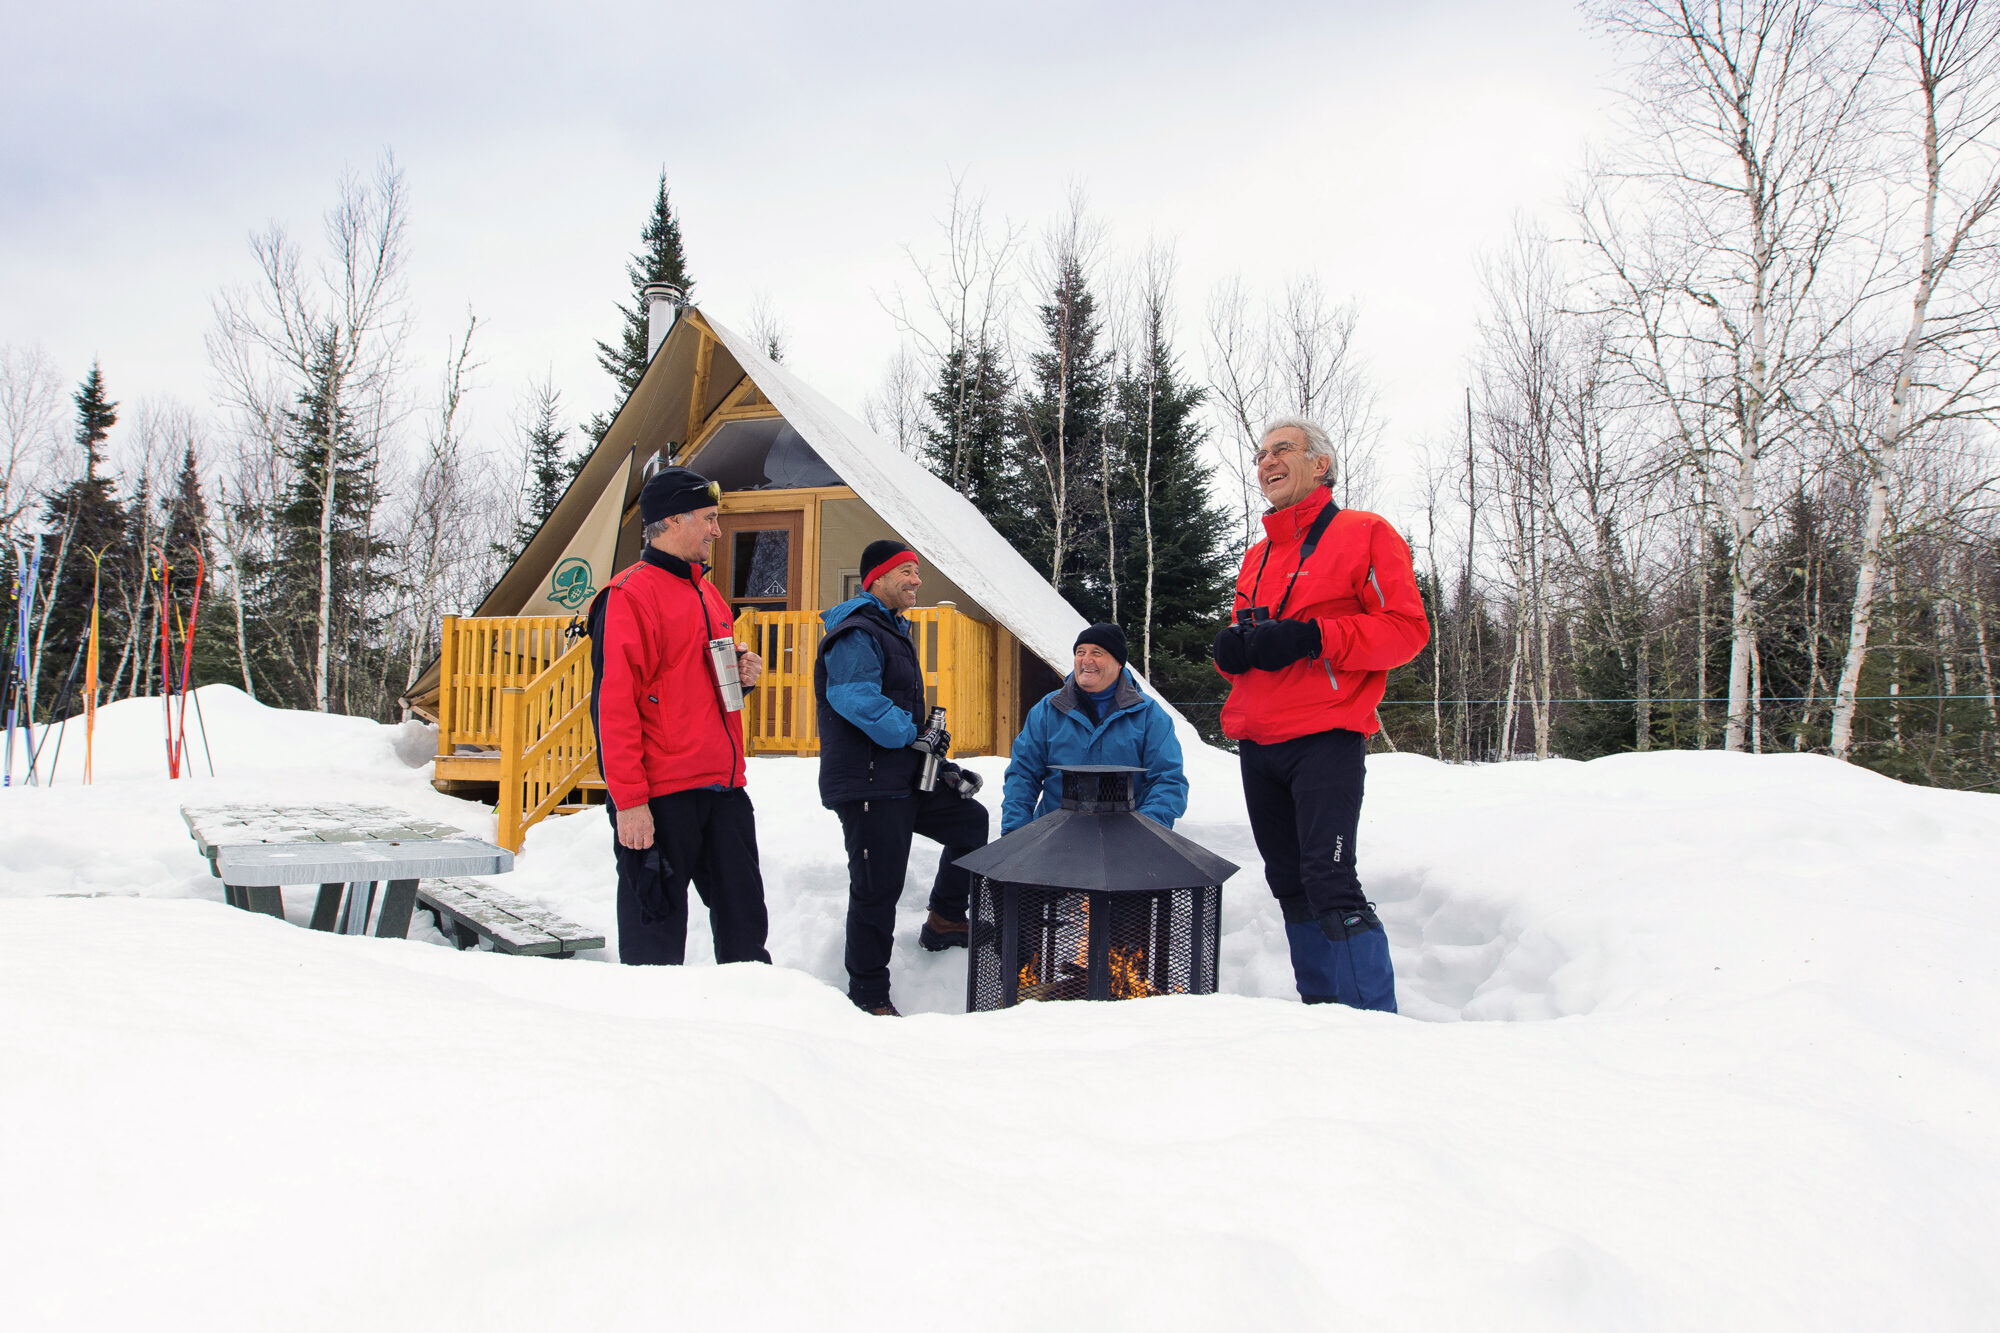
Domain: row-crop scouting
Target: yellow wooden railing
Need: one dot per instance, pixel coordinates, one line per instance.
(518, 686)
(954, 651)
(483, 655)
(546, 742)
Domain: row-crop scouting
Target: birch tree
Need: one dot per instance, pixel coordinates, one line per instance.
(333, 330)
(1947, 53)
(1719, 237)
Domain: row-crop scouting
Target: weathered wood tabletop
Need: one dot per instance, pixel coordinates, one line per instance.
(345, 848)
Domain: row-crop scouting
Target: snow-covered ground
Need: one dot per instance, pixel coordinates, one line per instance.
(1735, 1068)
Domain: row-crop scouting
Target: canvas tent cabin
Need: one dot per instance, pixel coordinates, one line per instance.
(805, 487)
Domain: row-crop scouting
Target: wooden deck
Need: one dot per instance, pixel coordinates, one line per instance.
(513, 704)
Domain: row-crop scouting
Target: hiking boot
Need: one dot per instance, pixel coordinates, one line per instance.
(882, 1010)
(939, 934)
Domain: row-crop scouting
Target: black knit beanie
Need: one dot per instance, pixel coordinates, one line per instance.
(879, 557)
(674, 490)
(1106, 636)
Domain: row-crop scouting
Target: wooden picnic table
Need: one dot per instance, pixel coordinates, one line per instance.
(347, 849)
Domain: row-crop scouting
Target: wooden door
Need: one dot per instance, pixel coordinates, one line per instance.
(760, 560)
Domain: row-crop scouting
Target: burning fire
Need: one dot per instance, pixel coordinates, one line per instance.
(1127, 967)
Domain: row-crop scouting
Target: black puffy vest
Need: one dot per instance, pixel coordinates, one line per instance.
(851, 766)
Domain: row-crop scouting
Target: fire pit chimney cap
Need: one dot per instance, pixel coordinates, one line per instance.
(1099, 788)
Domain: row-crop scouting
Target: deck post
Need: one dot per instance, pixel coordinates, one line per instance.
(508, 806)
(447, 687)
(1006, 689)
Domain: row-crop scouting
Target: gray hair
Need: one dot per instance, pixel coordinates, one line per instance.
(652, 530)
(1318, 443)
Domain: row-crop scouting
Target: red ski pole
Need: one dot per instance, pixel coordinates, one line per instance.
(187, 650)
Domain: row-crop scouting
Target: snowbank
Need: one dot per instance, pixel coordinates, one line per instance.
(1767, 1103)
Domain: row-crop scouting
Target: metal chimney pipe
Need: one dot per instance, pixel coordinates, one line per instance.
(663, 302)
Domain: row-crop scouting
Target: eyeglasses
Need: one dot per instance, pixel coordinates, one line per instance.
(1279, 451)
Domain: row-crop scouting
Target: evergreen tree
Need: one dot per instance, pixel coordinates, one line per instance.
(284, 586)
(85, 519)
(1156, 434)
(660, 258)
(970, 441)
(1062, 452)
(548, 473)
(190, 552)
(1193, 553)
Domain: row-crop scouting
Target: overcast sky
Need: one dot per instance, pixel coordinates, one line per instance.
(1380, 146)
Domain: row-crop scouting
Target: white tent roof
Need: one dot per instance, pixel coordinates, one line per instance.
(942, 524)
(937, 520)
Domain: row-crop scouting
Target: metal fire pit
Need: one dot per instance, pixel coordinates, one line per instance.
(1093, 902)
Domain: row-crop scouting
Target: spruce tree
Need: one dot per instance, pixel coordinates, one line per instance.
(970, 442)
(1062, 450)
(1193, 558)
(86, 519)
(284, 590)
(660, 258)
(190, 552)
(548, 474)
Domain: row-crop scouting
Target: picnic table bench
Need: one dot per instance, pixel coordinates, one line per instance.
(347, 849)
(471, 910)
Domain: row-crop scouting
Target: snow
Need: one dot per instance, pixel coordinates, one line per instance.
(1688, 1040)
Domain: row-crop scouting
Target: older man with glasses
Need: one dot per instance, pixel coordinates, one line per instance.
(1326, 605)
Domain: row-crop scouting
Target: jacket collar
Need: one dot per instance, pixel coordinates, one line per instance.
(673, 564)
(1289, 524)
(1123, 695)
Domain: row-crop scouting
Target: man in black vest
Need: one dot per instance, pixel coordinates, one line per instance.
(870, 690)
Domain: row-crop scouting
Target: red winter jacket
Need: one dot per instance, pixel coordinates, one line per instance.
(660, 715)
(1360, 588)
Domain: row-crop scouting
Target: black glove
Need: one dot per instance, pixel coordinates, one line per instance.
(1338, 926)
(655, 875)
(1276, 644)
(932, 742)
(1231, 651)
(961, 780)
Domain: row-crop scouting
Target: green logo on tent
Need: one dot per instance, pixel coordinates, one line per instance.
(570, 586)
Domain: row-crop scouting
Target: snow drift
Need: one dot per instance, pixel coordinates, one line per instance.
(1766, 1100)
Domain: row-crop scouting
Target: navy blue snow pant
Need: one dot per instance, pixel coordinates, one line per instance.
(707, 837)
(878, 835)
(1304, 800)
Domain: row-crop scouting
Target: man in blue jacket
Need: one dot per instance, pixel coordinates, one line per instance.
(870, 689)
(1099, 716)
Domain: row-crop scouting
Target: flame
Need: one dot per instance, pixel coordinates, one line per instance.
(1128, 980)
(1128, 975)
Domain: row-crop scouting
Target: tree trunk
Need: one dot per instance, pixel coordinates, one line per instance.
(1642, 711)
(1146, 498)
(1986, 672)
(1742, 602)
(1756, 698)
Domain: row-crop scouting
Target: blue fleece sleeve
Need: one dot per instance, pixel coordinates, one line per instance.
(1166, 781)
(854, 689)
(1027, 771)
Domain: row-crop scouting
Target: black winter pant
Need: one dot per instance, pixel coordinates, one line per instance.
(878, 837)
(1304, 797)
(709, 837)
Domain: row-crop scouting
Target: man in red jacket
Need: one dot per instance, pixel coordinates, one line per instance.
(1325, 605)
(670, 746)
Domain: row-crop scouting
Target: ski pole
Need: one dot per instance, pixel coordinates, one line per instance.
(68, 689)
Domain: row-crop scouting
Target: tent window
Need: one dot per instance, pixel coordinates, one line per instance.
(761, 455)
(760, 564)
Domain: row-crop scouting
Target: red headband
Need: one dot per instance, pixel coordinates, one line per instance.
(901, 557)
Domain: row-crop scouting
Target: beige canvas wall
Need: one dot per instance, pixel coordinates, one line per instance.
(845, 526)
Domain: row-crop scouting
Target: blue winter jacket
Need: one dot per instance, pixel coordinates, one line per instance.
(1134, 730)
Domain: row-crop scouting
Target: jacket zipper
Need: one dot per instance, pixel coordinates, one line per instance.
(1329, 675)
(1378, 588)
